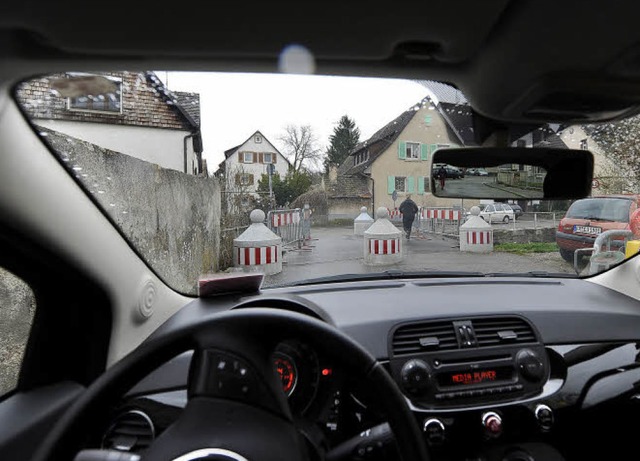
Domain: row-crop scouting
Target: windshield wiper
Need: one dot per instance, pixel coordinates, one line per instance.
(391, 274)
(543, 274)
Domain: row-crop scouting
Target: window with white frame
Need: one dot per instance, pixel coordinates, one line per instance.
(401, 183)
(247, 157)
(267, 157)
(108, 102)
(257, 139)
(413, 150)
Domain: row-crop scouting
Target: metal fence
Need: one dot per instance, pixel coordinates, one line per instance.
(444, 221)
(289, 225)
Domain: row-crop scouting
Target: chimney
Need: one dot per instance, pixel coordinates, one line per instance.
(333, 174)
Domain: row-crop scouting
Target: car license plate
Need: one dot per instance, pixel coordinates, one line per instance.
(586, 230)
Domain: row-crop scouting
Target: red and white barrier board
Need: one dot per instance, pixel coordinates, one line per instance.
(394, 214)
(384, 247)
(257, 256)
(285, 219)
(439, 213)
(477, 237)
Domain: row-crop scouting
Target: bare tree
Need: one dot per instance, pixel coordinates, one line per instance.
(301, 147)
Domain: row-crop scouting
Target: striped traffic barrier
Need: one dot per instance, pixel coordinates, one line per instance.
(258, 249)
(449, 214)
(384, 246)
(382, 241)
(476, 235)
(394, 215)
(285, 219)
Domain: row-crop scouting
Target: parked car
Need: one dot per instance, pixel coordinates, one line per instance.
(477, 172)
(454, 172)
(497, 212)
(587, 218)
(517, 210)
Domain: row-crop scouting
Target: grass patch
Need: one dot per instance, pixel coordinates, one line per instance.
(524, 248)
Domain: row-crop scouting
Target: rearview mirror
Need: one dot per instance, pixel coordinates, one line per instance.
(511, 173)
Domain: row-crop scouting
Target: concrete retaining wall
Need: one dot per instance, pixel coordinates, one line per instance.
(524, 235)
(172, 218)
(17, 305)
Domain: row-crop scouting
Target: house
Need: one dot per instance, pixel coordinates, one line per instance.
(244, 164)
(128, 112)
(577, 137)
(397, 157)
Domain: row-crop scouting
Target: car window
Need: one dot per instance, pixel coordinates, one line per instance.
(601, 209)
(17, 306)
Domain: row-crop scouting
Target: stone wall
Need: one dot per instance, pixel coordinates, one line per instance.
(524, 235)
(17, 305)
(172, 219)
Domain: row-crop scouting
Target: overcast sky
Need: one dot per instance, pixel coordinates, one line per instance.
(234, 106)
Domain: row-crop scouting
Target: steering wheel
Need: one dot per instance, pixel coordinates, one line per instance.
(236, 408)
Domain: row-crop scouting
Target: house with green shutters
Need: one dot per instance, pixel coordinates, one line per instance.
(398, 156)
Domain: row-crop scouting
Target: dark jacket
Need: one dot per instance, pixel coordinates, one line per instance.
(408, 208)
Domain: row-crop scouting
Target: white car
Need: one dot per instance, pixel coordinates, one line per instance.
(497, 212)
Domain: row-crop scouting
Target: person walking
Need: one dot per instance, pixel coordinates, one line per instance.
(442, 175)
(408, 208)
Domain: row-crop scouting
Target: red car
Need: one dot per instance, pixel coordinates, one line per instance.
(587, 218)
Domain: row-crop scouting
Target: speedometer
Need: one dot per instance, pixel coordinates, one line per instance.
(297, 367)
(287, 371)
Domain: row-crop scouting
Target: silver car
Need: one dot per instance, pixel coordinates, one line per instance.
(497, 212)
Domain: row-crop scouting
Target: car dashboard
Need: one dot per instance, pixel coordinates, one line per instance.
(492, 368)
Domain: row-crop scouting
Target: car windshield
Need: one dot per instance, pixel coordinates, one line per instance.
(304, 177)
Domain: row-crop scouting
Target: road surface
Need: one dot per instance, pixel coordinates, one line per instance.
(335, 250)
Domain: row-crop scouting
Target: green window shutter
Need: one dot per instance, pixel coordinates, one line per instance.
(427, 120)
(411, 184)
(391, 184)
(402, 150)
(420, 185)
(433, 148)
(425, 151)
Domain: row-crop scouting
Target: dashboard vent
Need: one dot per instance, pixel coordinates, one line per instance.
(426, 336)
(507, 330)
(131, 431)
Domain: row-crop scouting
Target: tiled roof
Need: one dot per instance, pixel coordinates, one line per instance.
(444, 93)
(190, 102)
(461, 120)
(228, 152)
(376, 144)
(172, 100)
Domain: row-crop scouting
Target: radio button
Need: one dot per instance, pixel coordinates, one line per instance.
(415, 376)
(530, 365)
(434, 431)
(492, 423)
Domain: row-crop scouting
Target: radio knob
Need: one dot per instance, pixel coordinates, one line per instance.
(415, 376)
(492, 423)
(434, 431)
(544, 416)
(530, 365)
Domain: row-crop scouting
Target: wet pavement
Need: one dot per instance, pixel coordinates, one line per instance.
(335, 251)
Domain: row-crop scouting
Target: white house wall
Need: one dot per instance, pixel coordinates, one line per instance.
(163, 147)
(234, 165)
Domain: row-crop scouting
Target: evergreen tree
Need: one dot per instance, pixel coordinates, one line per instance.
(344, 138)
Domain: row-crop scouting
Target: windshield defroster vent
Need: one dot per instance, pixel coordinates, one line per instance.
(424, 336)
(508, 330)
(131, 431)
